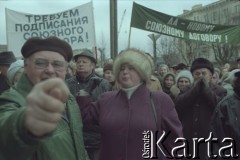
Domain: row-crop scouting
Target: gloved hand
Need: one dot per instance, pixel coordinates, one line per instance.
(81, 94)
(198, 85)
(202, 88)
(206, 83)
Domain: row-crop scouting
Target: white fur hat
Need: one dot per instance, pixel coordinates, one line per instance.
(138, 59)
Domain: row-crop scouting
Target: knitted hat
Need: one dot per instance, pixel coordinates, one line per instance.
(185, 74)
(202, 63)
(35, 44)
(108, 66)
(7, 57)
(135, 58)
(14, 68)
(86, 53)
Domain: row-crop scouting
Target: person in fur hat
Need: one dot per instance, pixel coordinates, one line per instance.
(226, 118)
(125, 114)
(196, 103)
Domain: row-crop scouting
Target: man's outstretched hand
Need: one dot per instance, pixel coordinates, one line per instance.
(45, 105)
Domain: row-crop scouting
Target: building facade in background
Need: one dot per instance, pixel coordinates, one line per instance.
(3, 47)
(224, 12)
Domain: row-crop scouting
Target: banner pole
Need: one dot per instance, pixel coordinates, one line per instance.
(129, 37)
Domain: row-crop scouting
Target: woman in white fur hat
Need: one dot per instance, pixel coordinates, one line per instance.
(125, 115)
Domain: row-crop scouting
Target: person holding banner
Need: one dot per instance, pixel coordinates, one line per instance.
(39, 118)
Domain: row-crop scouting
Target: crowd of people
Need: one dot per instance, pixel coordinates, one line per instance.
(55, 104)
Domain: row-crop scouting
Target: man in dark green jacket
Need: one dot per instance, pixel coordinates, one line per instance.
(39, 118)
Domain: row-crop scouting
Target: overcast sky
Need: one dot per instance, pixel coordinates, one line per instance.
(139, 38)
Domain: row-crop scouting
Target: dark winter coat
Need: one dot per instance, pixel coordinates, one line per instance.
(226, 120)
(95, 86)
(195, 106)
(123, 121)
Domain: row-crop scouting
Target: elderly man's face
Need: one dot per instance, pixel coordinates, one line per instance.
(43, 65)
(84, 66)
(202, 72)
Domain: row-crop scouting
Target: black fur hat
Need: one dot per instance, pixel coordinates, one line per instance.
(202, 63)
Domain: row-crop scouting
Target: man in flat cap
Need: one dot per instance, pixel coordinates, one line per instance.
(6, 59)
(86, 79)
(39, 118)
